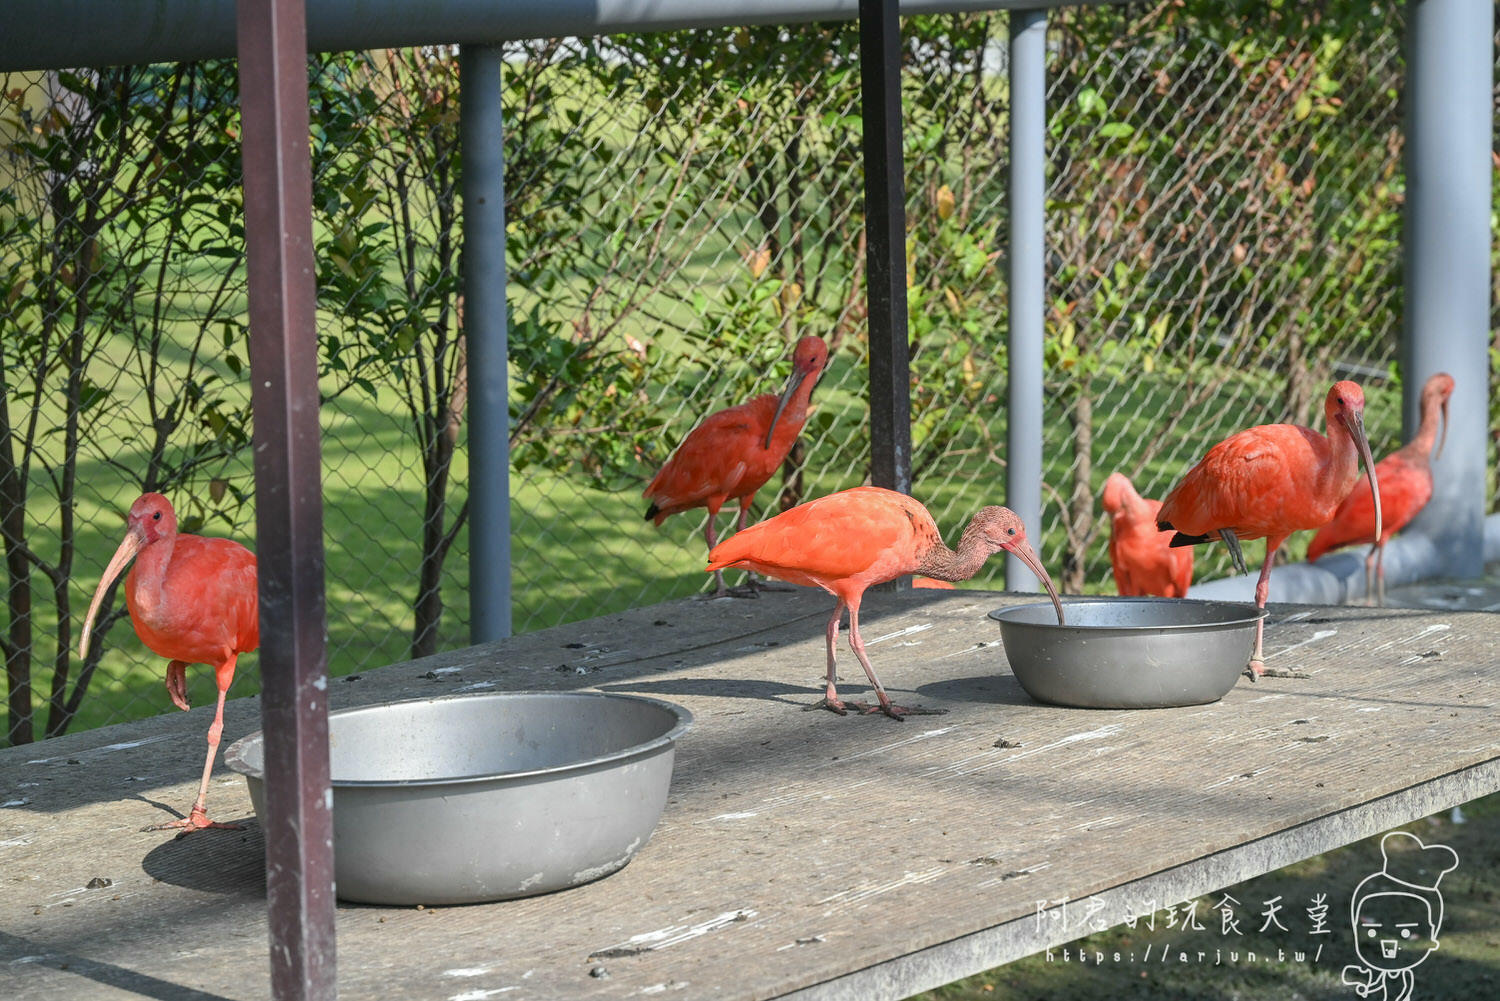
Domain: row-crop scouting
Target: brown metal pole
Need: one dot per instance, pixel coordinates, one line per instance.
(885, 227)
(272, 40)
(885, 222)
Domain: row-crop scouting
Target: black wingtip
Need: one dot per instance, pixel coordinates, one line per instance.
(651, 512)
(1179, 540)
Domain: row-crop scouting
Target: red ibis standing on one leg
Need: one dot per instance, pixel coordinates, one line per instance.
(1405, 488)
(1270, 481)
(192, 600)
(1141, 554)
(847, 541)
(734, 452)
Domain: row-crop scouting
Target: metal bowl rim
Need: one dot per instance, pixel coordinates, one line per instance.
(234, 756)
(1249, 614)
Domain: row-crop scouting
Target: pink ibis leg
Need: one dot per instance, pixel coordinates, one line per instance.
(831, 700)
(197, 818)
(886, 706)
(708, 533)
(1380, 573)
(1262, 592)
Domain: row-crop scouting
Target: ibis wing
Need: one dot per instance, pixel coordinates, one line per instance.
(834, 537)
(723, 457)
(1242, 482)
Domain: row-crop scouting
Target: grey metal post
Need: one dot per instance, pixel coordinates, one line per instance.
(485, 321)
(280, 270)
(1449, 77)
(1027, 280)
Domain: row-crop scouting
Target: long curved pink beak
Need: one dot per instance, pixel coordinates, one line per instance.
(1444, 439)
(786, 397)
(1023, 549)
(1356, 425)
(129, 546)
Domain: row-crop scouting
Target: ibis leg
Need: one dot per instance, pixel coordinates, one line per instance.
(1262, 591)
(893, 711)
(197, 818)
(831, 700)
(1380, 574)
(708, 533)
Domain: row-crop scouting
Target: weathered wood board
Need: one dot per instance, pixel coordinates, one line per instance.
(801, 853)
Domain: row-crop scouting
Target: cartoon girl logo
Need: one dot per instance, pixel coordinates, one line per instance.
(1396, 914)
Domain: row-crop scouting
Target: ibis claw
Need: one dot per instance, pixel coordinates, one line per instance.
(177, 684)
(900, 713)
(197, 820)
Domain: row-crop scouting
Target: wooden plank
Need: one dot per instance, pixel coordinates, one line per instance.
(800, 852)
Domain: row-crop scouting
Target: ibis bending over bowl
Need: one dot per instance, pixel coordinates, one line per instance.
(852, 539)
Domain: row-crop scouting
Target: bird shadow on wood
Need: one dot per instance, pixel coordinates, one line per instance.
(217, 861)
(128, 981)
(997, 689)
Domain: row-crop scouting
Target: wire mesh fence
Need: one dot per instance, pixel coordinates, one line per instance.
(1223, 226)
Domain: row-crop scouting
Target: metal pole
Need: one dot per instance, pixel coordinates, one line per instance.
(885, 228)
(1449, 77)
(288, 497)
(480, 134)
(1027, 281)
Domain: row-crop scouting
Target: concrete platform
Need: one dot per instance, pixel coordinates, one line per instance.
(802, 854)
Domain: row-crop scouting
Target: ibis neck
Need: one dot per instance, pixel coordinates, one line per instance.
(144, 590)
(943, 563)
(1421, 445)
(1132, 504)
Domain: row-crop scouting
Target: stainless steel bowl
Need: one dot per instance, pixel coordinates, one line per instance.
(1128, 653)
(490, 796)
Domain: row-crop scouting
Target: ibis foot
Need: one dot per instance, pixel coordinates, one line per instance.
(197, 820)
(898, 713)
(834, 706)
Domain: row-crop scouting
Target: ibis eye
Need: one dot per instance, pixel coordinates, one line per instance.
(1010, 531)
(156, 516)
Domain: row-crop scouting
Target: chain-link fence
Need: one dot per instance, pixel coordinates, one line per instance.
(1223, 219)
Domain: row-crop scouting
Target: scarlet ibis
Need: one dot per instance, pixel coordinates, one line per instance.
(1142, 554)
(191, 600)
(849, 540)
(1405, 488)
(735, 451)
(1270, 481)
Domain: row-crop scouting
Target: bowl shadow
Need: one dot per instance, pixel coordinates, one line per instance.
(987, 689)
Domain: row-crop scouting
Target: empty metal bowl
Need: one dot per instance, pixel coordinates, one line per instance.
(1128, 653)
(488, 796)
